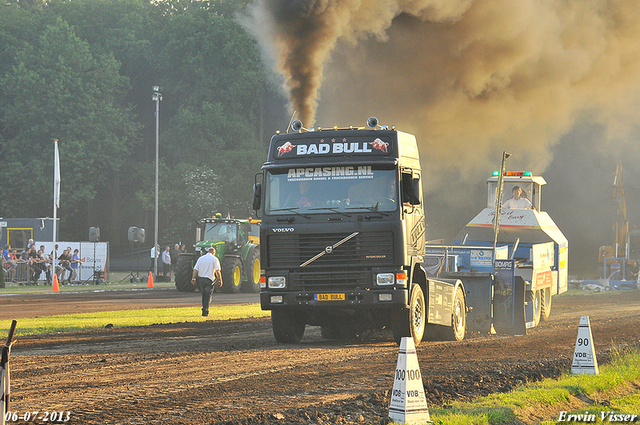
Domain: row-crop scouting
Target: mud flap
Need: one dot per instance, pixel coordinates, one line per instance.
(478, 291)
(519, 326)
(509, 309)
(441, 295)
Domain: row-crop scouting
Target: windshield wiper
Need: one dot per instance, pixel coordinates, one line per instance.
(334, 209)
(291, 209)
(373, 208)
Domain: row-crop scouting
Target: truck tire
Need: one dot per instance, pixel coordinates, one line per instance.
(252, 269)
(231, 275)
(412, 322)
(458, 319)
(287, 326)
(535, 298)
(183, 272)
(545, 303)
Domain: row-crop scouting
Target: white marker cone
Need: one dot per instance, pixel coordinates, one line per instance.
(408, 402)
(584, 355)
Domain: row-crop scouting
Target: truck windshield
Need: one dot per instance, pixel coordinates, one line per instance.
(343, 189)
(217, 232)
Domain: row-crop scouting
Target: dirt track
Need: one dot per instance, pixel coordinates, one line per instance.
(233, 372)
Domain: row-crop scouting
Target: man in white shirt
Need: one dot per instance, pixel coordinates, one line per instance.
(166, 262)
(207, 270)
(155, 253)
(517, 201)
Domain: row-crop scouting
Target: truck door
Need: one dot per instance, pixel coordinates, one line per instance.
(412, 211)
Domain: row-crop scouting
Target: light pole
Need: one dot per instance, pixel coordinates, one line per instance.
(157, 97)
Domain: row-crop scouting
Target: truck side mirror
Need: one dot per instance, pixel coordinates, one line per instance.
(414, 198)
(257, 196)
(410, 190)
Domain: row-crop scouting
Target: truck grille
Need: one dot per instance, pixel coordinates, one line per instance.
(327, 281)
(365, 249)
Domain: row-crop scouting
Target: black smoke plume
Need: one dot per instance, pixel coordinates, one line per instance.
(473, 78)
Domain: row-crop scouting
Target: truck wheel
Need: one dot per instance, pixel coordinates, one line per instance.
(545, 303)
(184, 271)
(458, 318)
(252, 268)
(412, 322)
(231, 275)
(534, 297)
(287, 326)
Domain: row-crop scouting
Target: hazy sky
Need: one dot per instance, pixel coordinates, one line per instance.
(555, 83)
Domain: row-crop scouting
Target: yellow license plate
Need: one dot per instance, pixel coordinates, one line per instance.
(329, 297)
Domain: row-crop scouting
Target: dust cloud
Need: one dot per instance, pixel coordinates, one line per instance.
(471, 79)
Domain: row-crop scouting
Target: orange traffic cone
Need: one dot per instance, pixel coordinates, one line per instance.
(150, 282)
(56, 286)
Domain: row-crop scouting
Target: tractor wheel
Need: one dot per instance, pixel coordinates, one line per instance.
(545, 303)
(231, 275)
(252, 269)
(411, 322)
(184, 271)
(288, 327)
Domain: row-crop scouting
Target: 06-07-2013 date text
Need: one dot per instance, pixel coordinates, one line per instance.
(37, 416)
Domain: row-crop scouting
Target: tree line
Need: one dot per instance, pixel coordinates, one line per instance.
(82, 72)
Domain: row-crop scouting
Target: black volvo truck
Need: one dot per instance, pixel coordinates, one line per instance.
(343, 237)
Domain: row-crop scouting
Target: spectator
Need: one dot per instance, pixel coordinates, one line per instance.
(45, 262)
(24, 255)
(14, 257)
(166, 261)
(11, 264)
(154, 255)
(75, 262)
(615, 270)
(65, 262)
(56, 262)
(34, 264)
(175, 254)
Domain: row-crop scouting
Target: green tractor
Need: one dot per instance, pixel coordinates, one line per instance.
(237, 243)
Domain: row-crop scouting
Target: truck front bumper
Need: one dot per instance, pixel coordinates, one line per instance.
(359, 298)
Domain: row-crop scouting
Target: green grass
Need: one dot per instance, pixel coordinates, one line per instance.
(151, 316)
(550, 395)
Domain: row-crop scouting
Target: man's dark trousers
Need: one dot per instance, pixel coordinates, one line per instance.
(206, 285)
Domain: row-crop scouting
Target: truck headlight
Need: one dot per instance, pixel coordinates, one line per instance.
(277, 282)
(276, 299)
(385, 279)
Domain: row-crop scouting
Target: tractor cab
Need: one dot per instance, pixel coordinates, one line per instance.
(225, 235)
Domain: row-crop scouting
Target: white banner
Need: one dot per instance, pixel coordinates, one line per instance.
(93, 255)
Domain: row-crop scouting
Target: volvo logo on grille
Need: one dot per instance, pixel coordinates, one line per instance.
(283, 229)
(329, 249)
